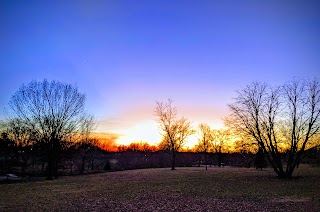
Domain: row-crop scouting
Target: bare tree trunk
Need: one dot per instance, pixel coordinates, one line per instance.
(219, 159)
(173, 160)
(51, 161)
(205, 160)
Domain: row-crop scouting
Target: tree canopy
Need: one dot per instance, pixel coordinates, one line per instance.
(51, 113)
(175, 130)
(281, 120)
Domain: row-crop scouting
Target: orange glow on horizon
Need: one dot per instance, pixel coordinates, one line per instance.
(146, 132)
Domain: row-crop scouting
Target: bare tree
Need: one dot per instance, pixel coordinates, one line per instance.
(244, 145)
(86, 144)
(175, 130)
(52, 112)
(281, 120)
(219, 143)
(204, 141)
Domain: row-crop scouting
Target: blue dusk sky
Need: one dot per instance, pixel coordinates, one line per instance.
(126, 55)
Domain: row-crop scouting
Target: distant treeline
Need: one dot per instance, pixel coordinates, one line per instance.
(83, 158)
(49, 133)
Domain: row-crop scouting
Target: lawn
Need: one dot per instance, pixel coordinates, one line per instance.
(186, 189)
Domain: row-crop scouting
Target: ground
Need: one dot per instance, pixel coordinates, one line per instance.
(184, 189)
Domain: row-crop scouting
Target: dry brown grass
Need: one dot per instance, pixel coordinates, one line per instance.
(185, 189)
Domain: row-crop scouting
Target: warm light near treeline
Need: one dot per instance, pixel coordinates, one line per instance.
(148, 132)
(145, 131)
(193, 139)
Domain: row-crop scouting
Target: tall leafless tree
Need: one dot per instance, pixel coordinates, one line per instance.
(86, 143)
(204, 141)
(280, 119)
(219, 143)
(52, 112)
(175, 130)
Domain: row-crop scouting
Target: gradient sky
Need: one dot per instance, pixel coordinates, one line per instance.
(125, 55)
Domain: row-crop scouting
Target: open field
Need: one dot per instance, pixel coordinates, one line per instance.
(186, 189)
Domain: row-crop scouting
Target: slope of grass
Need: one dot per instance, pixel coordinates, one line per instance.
(162, 189)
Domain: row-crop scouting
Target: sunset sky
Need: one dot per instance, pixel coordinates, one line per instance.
(126, 55)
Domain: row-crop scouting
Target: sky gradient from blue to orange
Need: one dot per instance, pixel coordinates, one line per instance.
(125, 55)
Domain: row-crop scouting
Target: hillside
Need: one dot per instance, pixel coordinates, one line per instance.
(188, 189)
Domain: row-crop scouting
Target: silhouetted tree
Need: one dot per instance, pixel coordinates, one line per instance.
(86, 149)
(204, 141)
(134, 147)
(279, 119)
(87, 144)
(244, 144)
(219, 143)
(141, 147)
(52, 112)
(175, 130)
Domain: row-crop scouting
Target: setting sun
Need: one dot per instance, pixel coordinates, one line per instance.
(145, 131)
(193, 139)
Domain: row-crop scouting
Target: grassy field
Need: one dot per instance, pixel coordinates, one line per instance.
(185, 189)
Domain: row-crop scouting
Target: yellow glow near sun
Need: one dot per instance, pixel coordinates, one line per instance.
(146, 131)
(193, 139)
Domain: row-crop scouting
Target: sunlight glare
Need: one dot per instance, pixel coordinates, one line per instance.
(193, 139)
(146, 131)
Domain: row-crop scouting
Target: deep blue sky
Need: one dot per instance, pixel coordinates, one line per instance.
(125, 55)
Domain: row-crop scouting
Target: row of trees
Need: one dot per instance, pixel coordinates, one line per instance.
(215, 141)
(177, 129)
(280, 121)
(48, 118)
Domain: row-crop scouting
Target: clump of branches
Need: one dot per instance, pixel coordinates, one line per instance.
(49, 115)
(175, 130)
(281, 120)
